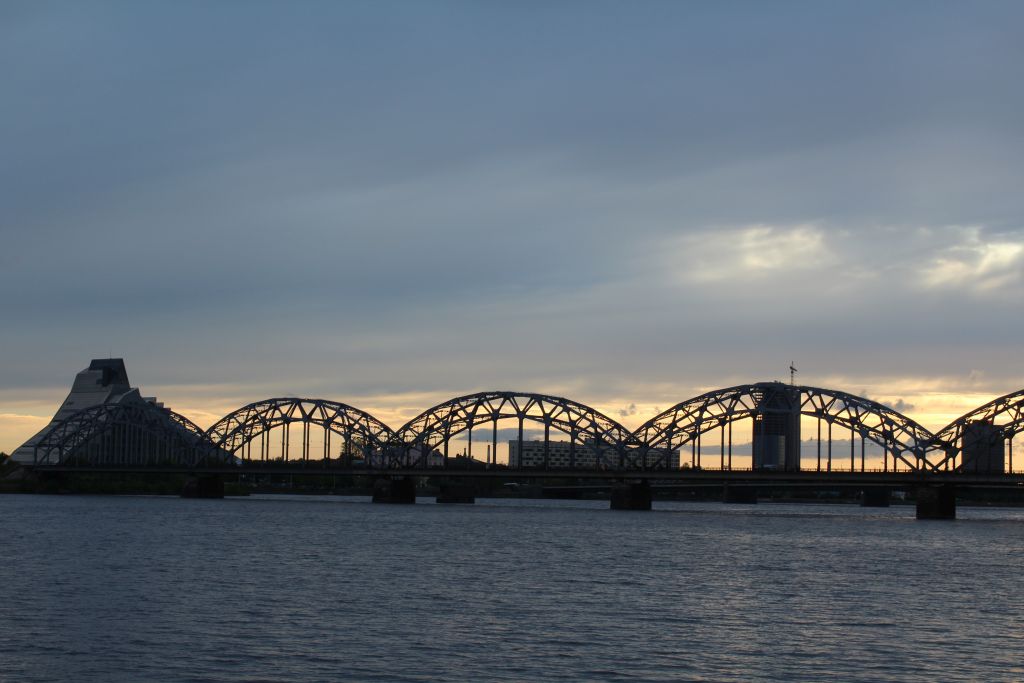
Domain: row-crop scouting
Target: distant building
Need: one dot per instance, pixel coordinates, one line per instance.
(776, 436)
(983, 448)
(104, 381)
(562, 455)
(413, 457)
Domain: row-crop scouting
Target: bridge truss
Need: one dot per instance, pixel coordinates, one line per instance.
(129, 435)
(142, 434)
(904, 441)
(1005, 414)
(594, 437)
(363, 437)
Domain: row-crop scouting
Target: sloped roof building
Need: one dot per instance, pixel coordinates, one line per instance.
(105, 381)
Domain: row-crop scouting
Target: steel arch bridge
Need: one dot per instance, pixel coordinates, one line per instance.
(364, 435)
(593, 436)
(139, 434)
(901, 438)
(951, 441)
(129, 435)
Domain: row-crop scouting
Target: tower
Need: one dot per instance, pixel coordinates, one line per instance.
(983, 448)
(776, 436)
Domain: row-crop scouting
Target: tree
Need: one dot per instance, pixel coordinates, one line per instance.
(355, 450)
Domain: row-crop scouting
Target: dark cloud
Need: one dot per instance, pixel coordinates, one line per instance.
(901, 406)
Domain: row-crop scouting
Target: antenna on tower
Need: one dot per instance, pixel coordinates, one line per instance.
(792, 373)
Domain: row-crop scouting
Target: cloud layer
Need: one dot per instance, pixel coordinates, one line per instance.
(624, 205)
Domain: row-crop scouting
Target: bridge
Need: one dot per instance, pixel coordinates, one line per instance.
(854, 442)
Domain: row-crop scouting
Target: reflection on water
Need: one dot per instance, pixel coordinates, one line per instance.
(296, 588)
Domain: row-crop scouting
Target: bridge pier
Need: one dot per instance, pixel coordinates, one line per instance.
(203, 486)
(44, 482)
(635, 496)
(936, 502)
(746, 495)
(456, 492)
(875, 497)
(401, 490)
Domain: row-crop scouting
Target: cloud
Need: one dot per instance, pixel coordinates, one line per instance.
(752, 252)
(901, 406)
(977, 263)
(344, 205)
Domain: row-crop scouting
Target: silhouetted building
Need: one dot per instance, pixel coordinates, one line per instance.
(776, 435)
(104, 381)
(561, 455)
(983, 445)
(413, 457)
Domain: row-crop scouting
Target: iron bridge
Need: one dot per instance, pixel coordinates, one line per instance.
(549, 435)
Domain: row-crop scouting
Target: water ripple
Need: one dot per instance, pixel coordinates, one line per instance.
(305, 589)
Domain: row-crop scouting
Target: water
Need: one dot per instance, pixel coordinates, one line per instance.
(325, 589)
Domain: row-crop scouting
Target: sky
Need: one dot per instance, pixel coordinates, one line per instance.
(391, 204)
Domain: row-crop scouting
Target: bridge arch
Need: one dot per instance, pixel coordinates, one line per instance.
(982, 434)
(128, 434)
(362, 435)
(903, 441)
(594, 439)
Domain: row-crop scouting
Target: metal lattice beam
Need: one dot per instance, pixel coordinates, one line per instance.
(359, 429)
(127, 434)
(682, 424)
(142, 433)
(586, 427)
(1005, 412)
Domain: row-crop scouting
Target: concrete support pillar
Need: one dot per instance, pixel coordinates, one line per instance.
(936, 502)
(456, 492)
(208, 486)
(42, 482)
(632, 496)
(400, 490)
(739, 494)
(875, 497)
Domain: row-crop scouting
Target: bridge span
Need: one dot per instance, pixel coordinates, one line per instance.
(761, 426)
(766, 432)
(905, 479)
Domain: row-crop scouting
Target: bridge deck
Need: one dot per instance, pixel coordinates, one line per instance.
(682, 476)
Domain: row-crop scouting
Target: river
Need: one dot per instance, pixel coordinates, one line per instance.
(282, 588)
